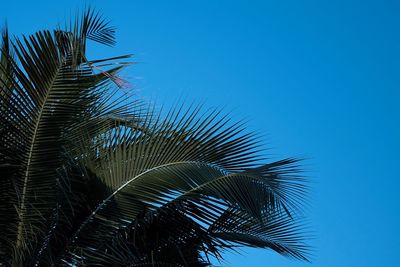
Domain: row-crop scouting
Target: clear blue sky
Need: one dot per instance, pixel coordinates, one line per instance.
(320, 78)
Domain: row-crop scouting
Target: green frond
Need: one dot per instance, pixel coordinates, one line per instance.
(46, 95)
(203, 164)
(91, 177)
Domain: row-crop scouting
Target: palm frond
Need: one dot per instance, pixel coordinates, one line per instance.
(5, 66)
(50, 97)
(201, 163)
(90, 177)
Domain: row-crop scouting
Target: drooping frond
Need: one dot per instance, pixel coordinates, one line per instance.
(47, 93)
(90, 177)
(202, 167)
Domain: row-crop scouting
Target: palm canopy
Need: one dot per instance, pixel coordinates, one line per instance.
(91, 177)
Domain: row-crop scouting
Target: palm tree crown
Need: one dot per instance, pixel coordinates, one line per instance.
(91, 177)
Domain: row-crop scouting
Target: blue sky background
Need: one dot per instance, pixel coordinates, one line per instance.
(320, 78)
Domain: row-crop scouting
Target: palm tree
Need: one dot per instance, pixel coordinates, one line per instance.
(91, 177)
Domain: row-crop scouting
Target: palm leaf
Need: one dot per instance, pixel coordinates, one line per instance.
(89, 177)
(181, 158)
(52, 95)
(5, 66)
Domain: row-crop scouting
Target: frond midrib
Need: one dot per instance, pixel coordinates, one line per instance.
(104, 202)
(30, 154)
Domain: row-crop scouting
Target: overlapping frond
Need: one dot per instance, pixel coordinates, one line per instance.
(6, 58)
(47, 93)
(89, 177)
(198, 165)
